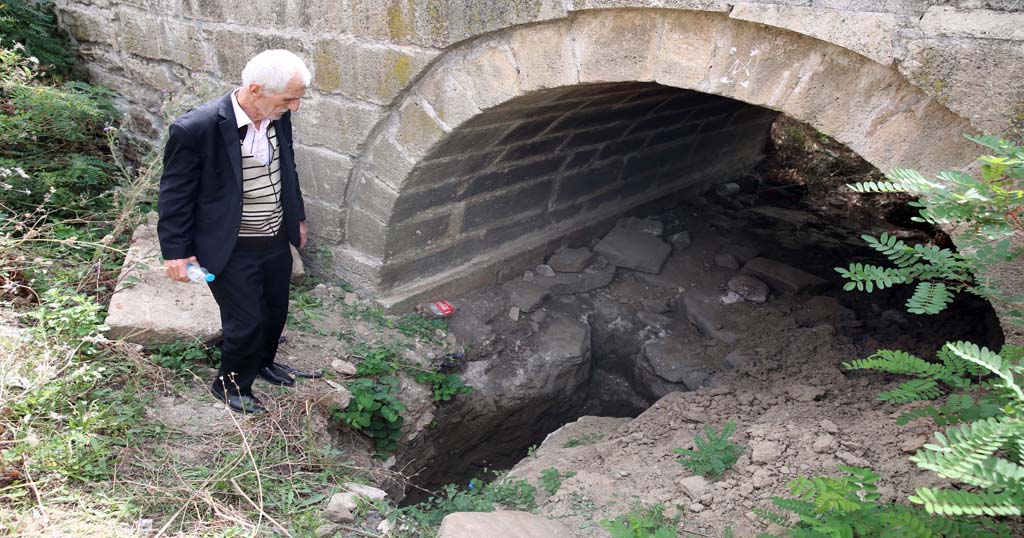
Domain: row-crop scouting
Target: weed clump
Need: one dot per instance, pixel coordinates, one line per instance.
(714, 454)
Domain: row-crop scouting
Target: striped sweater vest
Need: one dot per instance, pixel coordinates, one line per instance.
(262, 214)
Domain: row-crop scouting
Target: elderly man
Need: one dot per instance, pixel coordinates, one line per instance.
(230, 202)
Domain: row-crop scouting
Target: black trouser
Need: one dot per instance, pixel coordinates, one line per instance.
(252, 293)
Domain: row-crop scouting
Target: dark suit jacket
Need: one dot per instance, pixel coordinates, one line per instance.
(200, 201)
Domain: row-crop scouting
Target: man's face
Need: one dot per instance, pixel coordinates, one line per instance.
(273, 106)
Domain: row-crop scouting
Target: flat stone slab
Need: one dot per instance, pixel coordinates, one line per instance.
(634, 250)
(676, 361)
(571, 260)
(782, 277)
(527, 296)
(569, 283)
(500, 524)
(150, 309)
(705, 309)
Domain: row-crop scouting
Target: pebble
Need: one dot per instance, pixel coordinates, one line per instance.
(696, 508)
(343, 367)
(823, 443)
(544, 270)
(765, 451)
(351, 298)
(327, 531)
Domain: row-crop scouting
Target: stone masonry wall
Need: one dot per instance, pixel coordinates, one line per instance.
(897, 81)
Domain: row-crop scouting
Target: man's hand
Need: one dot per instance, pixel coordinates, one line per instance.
(302, 233)
(176, 268)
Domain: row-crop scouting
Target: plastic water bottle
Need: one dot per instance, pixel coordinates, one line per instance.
(198, 274)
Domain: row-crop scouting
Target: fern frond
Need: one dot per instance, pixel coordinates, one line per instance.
(913, 181)
(958, 503)
(929, 298)
(772, 516)
(894, 249)
(912, 391)
(963, 450)
(890, 361)
(865, 277)
(990, 360)
(876, 187)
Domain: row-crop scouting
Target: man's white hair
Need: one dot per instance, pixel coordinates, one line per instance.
(274, 69)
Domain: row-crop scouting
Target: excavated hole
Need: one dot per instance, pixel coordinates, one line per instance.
(795, 210)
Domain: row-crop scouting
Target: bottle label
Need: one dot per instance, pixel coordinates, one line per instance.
(443, 308)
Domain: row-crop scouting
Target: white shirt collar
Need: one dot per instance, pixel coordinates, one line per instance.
(241, 118)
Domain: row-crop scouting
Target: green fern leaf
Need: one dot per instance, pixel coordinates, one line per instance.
(929, 298)
(912, 390)
(958, 503)
(984, 357)
(962, 452)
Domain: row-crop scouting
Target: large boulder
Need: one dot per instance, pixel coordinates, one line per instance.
(500, 524)
(150, 309)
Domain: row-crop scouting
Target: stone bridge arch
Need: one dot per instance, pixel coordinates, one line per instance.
(413, 221)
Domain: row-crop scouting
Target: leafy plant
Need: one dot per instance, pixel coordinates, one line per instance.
(551, 479)
(847, 506)
(951, 372)
(443, 386)
(983, 447)
(957, 408)
(375, 410)
(184, 358)
(986, 212)
(643, 522)
(33, 25)
(426, 516)
(585, 439)
(714, 454)
(516, 494)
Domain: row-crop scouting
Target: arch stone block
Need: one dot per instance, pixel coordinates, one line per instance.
(489, 72)
(613, 46)
(545, 57)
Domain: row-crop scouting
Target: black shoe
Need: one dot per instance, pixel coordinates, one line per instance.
(237, 402)
(284, 369)
(275, 377)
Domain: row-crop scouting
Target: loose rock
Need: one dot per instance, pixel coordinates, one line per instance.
(694, 486)
(570, 283)
(500, 524)
(680, 240)
(765, 451)
(526, 296)
(571, 260)
(339, 509)
(749, 288)
(544, 270)
(784, 277)
(634, 249)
